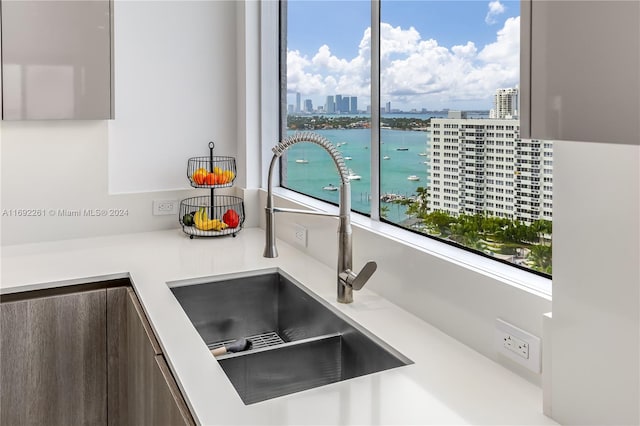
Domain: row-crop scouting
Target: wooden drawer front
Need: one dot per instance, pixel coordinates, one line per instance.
(54, 367)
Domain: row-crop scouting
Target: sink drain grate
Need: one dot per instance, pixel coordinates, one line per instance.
(259, 341)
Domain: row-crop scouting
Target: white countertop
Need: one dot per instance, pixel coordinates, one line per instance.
(448, 383)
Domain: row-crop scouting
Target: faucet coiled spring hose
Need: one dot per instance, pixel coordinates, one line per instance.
(287, 142)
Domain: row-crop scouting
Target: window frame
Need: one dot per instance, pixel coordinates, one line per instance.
(273, 15)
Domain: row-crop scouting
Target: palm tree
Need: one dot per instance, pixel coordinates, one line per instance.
(384, 211)
(418, 207)
(542, 227)
(540, 257)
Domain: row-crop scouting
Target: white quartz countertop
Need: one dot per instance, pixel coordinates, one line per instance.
(448, 383)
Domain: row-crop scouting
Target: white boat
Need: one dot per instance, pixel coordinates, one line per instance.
(423, 154)
(386, 157)
(301, 161)
(348, 158)
(413, 178)
(330, 187)
(353, 176)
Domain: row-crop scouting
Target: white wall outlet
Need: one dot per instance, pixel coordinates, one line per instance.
(300, 235)
(517, 345)
(165, 207)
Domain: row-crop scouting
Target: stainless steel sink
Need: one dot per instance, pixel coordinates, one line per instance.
(299, 341)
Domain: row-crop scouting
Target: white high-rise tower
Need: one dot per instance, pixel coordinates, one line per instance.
(506, 103)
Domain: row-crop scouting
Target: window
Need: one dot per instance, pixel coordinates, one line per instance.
(448, 92)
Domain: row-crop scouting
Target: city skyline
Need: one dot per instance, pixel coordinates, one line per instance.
(435, 55)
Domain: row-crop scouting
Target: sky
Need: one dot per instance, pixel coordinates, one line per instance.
(435, 54)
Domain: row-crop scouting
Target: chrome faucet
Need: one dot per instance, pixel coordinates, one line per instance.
(347, 279)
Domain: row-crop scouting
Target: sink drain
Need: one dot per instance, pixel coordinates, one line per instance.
(259, 341)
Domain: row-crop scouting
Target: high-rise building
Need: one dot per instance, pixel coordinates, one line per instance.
(330, 107)
(506, 103)
(308, 105)
(481, 166)
(354, 105)
(345, 104)
(298, 102)
(338, 103)
(388, 107)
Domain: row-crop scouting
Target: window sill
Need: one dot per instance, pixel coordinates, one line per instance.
(529, 282)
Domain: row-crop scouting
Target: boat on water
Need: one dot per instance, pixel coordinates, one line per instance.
(302, 161)
(353, 176)
(348, 158)
(423, 154)
(413, 178)
(386, 157)
(330, 187)
(402, 149)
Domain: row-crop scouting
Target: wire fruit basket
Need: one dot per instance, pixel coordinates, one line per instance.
(213, 215)
(212, 171)
(200, 217)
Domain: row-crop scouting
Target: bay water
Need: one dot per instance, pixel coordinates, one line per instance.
(310, 170)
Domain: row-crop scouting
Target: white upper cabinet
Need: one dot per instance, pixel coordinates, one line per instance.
(56, 60)
(581, 70)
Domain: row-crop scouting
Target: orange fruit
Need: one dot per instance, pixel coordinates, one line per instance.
(210, 179)
(199, 176)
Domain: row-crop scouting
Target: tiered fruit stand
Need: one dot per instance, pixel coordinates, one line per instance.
(211, 215)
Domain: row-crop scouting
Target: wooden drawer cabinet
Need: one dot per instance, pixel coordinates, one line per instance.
(154, 398)
(53, 355)
(85, 357)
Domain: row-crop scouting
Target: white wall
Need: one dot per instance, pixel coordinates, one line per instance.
(167, 108)
(53, 165)
(175, 90)
(596, 284)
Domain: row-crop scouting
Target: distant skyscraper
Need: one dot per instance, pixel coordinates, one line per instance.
(308, 105)
(354, 105)
(506, 103)
(330, 107)
(338, 103)
(345, 104)
(388, 107)
(297, 101)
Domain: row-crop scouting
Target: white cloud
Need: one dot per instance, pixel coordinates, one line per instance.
(495, 9)
(395, 40)
(415, 73)
(324, 59)
(506, 49)
(299, 79)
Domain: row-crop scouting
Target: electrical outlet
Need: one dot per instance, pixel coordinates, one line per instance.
(518, 345)
(165, 207)
(515, 345)
(300, 235)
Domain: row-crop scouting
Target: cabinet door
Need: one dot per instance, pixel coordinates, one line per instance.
(54, 367)
(581, 70)
(56, 60)
(154, 398)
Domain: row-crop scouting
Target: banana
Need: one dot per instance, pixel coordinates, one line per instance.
(202, 222)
